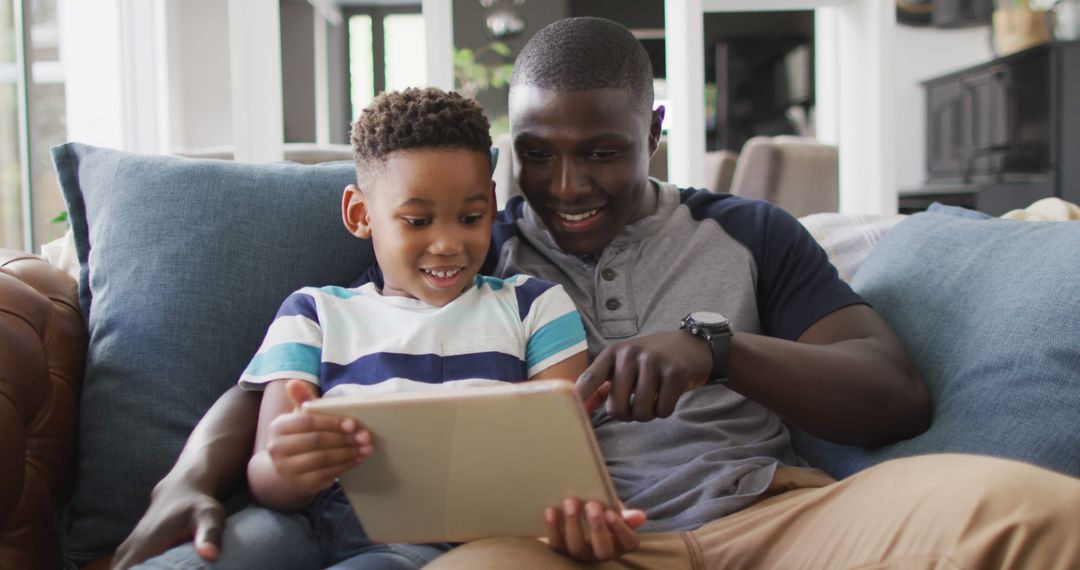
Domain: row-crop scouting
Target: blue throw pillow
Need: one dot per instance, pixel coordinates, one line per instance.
(989, 310)
(184, 264)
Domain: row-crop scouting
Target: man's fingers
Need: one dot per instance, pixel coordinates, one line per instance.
(645, 393)
(595, 375)
(622, 384)
(299, 392)
(670, 392)
(209, 521)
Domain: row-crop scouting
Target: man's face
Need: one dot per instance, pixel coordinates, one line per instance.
(428, 215)
(583, 161)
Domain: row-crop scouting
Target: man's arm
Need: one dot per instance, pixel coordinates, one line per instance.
(186, 503)
(847, 379)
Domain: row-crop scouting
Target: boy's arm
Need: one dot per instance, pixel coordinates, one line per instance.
(611, 531)
(568, 369)
(298, 455)
(185, 504)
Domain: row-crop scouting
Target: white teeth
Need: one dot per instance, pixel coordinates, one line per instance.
(578, 217)
(442, 274)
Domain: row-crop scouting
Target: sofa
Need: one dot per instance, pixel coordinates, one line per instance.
(181, 263)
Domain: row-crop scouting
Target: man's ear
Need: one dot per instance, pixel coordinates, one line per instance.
(656, 129)
(354, 212)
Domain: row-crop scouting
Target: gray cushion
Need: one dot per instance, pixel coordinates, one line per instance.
(990, 311)
(184, 263)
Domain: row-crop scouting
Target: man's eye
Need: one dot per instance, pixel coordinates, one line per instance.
(416, 222)
(534, 155)
(472, 219)
(602, 154)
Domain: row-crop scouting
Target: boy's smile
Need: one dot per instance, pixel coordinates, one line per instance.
(428, 214)
(583, 160)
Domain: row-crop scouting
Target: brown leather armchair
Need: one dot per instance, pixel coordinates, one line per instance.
(43, 343)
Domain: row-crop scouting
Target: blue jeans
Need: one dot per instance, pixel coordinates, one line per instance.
(325, 535)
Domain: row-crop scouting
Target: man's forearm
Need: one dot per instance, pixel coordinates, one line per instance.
(862, 390)
(214, 459)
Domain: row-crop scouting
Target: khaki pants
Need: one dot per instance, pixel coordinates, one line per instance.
(933, 511)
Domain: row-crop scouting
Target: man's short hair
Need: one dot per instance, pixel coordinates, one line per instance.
(416, 119)
(578, 54)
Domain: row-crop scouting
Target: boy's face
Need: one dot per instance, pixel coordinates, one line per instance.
(583, 161)
(428, 214)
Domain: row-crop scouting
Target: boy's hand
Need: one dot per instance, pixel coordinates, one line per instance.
(310, 451)
(610, 533)
(647, 375)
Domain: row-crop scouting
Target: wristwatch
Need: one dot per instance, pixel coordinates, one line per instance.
(714, 329)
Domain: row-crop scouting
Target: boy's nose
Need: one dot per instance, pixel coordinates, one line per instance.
(445, 243)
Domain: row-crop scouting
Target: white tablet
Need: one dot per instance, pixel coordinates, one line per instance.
(459, 464)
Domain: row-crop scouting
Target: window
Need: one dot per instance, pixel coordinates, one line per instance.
(47, 126)
(386, 50)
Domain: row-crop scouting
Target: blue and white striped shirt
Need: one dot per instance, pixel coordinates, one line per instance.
(498, 329)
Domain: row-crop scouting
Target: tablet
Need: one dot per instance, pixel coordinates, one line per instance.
(457, 464)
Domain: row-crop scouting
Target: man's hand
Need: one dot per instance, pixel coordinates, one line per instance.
(648, 374)
(610, 533)
(176, 514)
(303, 453)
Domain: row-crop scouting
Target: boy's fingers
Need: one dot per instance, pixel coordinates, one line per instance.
(634, 518)
(299, 392)
(553, 522)
(288, 445)
(294, 423)
(599, 537)
(341, 459)
(626, 540)
(573, 537)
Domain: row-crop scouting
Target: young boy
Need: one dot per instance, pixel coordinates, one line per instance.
(424, 197)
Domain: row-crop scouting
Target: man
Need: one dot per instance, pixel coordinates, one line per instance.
(692, 428)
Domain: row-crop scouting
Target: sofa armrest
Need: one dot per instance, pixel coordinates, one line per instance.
(43, 341)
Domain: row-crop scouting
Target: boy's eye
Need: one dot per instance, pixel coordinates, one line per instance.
(416, 221)
(472, 219)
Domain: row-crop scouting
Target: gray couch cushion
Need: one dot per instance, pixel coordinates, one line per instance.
(183, 265)
(990, 311)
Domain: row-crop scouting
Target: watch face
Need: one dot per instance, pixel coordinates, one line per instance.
(709, 318)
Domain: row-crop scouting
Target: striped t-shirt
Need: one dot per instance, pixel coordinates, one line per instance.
(498, 329)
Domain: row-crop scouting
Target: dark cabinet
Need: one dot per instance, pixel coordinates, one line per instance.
(1005, 133)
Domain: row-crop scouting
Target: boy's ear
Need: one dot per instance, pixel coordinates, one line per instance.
(494, 205)
(656, 129)
(354, 212)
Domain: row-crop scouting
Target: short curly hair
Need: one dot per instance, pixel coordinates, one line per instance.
(416, 119)
(585, 53)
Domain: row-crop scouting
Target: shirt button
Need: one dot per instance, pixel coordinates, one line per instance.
(608, 274)
(612, 304)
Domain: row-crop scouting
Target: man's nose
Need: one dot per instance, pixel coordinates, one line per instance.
(569, 182)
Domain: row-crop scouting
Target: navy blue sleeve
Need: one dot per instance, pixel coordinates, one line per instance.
(796, 284)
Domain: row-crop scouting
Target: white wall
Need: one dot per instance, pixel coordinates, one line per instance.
(921, 54)
(199, 62)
